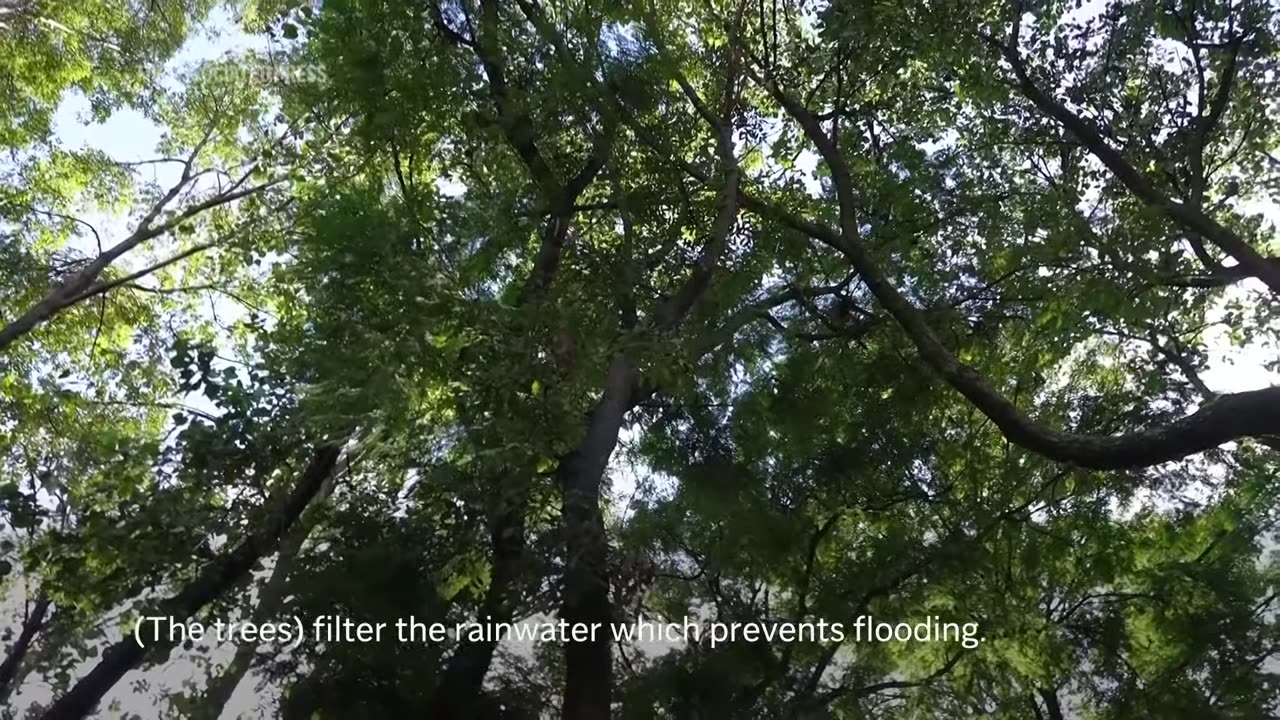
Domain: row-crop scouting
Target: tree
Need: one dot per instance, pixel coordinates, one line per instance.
(889, 311)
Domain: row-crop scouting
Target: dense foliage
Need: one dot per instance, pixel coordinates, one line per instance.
(745, 312)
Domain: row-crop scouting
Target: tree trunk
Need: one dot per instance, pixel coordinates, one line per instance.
(222, 687)
(30, 627)
(225, 572)
(588, 688)
(1051, 704)
(460, 690)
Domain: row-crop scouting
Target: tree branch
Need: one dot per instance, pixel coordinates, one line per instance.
(1185, 215)
(1229, 417)
(37, 615)
(118, 659)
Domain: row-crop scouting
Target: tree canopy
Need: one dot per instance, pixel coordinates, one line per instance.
(723, 312)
